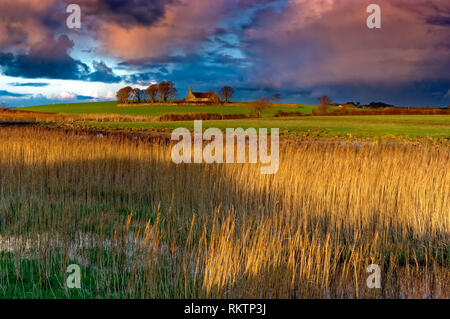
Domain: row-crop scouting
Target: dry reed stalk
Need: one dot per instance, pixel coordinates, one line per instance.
(124, 211)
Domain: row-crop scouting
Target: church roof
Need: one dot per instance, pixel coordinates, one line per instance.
(200, 95)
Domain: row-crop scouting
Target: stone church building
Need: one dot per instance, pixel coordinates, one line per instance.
(197, 97)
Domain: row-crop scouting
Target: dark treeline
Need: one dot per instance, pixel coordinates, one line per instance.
(162, 92)
(375, 111)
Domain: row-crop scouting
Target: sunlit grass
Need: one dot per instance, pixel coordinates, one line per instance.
(160, 109)
(409, 126)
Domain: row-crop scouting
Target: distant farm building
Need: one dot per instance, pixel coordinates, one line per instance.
(197, 97)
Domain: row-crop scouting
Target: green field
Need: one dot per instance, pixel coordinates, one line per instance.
(409, 126)
(413, 126)
(158, 109)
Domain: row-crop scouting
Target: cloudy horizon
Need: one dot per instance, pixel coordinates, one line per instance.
(299, 48)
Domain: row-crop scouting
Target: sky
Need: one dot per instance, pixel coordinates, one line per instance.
(302, 49)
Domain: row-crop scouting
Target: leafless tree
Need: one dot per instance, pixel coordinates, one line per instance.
(213, 97)
(167, 90)
(172, 91)
(123, 94)
(258, 106)
(276, 97)
(152, 91)
(136, 94)
(226, 93)
(324, 102)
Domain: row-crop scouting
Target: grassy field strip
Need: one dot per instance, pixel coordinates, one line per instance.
(157, 109)
(414, 126)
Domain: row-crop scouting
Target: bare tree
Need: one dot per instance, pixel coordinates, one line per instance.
(258, 106)
(123, 94)
(163, 89)
(324, 102)
(167, 90)
(152, 91)
(136, 94)
(276, 97)
(213, 97)
(226, 93)
(172, 90)
(144, 96)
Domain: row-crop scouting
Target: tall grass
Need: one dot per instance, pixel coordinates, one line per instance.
(143, 227)
(60, 118)
(199, 116)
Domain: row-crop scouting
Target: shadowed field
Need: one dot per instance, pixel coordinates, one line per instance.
(436, 127)
(408, 126)
(156, 109)
(291, 119)
(141, 226)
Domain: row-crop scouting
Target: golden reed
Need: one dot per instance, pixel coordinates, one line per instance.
(145, 227)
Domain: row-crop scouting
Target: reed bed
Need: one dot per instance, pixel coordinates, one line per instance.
(65, 118)
(142, 227)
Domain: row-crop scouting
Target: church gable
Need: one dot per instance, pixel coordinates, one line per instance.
(209, 97)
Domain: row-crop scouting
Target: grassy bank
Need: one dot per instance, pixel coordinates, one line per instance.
(159, 109)
(409, 126)
(164, 118)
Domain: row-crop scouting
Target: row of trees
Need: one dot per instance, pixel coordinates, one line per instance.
(325, 102)
(257, 107)
(164, 91)
(227, 92)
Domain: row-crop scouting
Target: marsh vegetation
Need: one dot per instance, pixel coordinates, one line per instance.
(143, 227)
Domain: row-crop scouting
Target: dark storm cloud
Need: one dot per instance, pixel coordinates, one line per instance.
(144, 78)
(103, 73)
(31, 84)
(47, 59)
(326, 44)
(125, 12)
(26, 22)
(439, 20)
(246, 4)
(84, 97)
(199, 73)
(50, 59)
(4, 93)
(414, 93)
(205, 76)
(39, 99)
(160, 61)
(305, 46)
